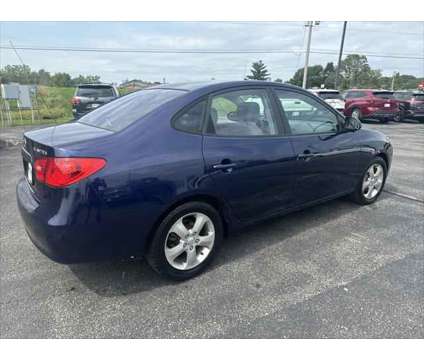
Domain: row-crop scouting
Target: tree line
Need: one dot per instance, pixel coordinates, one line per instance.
(355, 72)
(23, 74)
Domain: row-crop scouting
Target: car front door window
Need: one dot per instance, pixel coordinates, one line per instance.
(305, 115)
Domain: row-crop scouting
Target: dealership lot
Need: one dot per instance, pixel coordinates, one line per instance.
(335, 270)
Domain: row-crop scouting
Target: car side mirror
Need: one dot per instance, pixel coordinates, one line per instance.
(352, 124)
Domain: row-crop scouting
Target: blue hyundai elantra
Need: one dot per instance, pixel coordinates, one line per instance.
(167, 172)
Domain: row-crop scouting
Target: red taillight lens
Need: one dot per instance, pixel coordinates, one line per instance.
(75, 100)
(62, 172)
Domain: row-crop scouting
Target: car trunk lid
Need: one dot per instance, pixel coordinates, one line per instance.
(51, 142)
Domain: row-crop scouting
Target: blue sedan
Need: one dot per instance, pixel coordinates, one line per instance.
(167, 172)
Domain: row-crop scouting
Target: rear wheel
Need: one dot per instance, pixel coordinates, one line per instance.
(186, 241)
(372, 183)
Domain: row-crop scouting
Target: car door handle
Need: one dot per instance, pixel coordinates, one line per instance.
(306, 155)
(224, 166)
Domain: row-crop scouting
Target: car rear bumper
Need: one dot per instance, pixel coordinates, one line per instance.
(379, 114)
(77, 238)
(416, 114)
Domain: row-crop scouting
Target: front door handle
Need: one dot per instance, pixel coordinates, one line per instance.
(225, 165)
(306, 155)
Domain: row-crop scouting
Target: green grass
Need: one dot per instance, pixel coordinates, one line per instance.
(54, 106)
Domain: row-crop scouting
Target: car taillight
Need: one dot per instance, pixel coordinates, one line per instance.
(75, 100)
(62, 172)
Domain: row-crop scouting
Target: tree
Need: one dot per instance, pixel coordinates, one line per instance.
(259, 71)
(23, 74)
(315, 76)
(43, 77)
(61, 79)
(356, 72)
(278, 80)
(329, 75)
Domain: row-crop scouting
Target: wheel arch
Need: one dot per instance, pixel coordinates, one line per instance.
(385, 158)
(211, 200)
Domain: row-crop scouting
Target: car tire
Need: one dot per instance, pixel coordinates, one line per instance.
(356, 113)
(365, 195)
(166, 243)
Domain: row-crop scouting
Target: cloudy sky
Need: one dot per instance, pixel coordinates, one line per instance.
(384, 42)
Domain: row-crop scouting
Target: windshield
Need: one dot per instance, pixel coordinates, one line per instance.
(330, 95)
(383, 94)
(120, 113)
(95, 91)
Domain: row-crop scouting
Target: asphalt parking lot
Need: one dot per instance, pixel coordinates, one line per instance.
(334, 270)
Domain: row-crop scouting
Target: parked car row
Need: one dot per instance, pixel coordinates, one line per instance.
(382, 105)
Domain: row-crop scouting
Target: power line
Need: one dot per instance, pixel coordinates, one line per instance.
(206, 51)
(14, 49)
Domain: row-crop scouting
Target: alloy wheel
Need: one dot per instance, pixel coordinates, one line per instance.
(355, 114)
(189, 241)
(373, 181)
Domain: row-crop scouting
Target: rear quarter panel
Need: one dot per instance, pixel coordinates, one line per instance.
(148, 169)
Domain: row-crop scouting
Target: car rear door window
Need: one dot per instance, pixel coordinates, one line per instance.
(244, 112)
(120, 113)
(305, 115)
(191, 120)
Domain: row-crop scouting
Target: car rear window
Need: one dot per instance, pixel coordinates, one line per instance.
(383, 94)
(330, 95)
(402, 96)
(122, 112)
(95, 91)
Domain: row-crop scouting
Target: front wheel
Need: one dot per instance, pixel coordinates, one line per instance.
(372, 183)
(186, 241)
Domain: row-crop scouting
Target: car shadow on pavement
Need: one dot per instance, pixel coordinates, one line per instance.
(120, 278)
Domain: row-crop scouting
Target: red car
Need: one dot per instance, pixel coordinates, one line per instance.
(372, 104)
(414, 103)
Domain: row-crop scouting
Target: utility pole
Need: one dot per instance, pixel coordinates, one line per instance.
(395, 73)
(339, 62)
(309, 24)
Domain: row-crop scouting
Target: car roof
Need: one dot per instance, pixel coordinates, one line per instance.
(217, 85)
(325, 90)
(373, 90)
(98, 85)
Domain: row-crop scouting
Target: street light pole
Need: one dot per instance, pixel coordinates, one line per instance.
(339, 63)
(308, 50)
